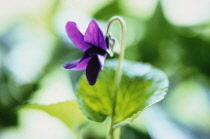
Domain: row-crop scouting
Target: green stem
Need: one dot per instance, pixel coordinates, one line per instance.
(119, 69)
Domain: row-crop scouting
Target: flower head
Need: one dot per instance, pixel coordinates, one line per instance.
(94, 46)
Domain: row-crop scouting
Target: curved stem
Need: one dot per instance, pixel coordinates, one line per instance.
(119, 68)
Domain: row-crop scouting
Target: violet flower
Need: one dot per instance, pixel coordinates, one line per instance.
(94, 46)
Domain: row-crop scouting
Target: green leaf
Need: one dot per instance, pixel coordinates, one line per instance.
(68, 112)
(141, 86)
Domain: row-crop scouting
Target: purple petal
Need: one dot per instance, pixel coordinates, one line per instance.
(80, 64)
(76, 36)
(94, 35)
(93, 69)
(71, 65)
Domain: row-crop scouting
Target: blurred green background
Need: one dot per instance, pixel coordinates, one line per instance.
(173, 35)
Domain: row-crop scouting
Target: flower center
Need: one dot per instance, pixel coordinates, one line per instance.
(94, 50)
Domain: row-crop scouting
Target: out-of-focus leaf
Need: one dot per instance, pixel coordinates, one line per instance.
(139, 8)
(167, 45)
(187, 101)
(132, 133)
(160, 35)
(11, 96)
(68, 112)
(196, 53)
(161, 126)
(95, 130)
(8, 116)
(141, 86)
(108, 11)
